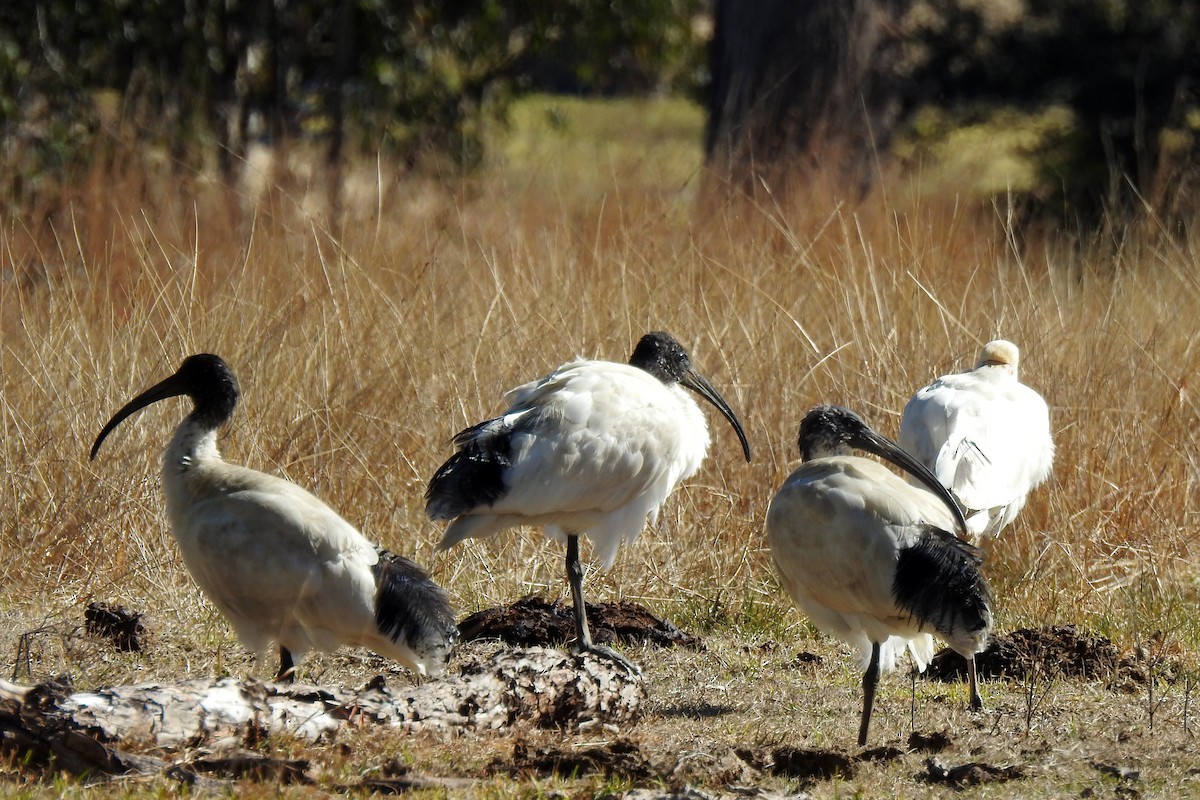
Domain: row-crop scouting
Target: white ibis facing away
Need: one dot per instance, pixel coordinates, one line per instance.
(983, 434)
(870, 559)
(281, 565)
(593, 448)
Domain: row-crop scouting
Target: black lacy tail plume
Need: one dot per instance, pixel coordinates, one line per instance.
(938, 582)
(407, 602)
(474, 476)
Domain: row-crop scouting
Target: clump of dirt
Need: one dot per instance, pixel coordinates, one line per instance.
(882, 753)
(1117, 771)
(536, 622)
(800, 763)
(1052, 650)
(934, 742)
(972, 774)
(805, 659)
(124, 628)
(246, 765)
(621, 758)
(1157, 659)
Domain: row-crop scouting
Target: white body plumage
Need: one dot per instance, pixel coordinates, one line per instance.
(592, 449)
(871, 559)
(836, 528)
(984, 435)
(596, 447)
(280, 564)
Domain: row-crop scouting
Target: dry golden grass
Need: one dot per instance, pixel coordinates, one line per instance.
(362, 347)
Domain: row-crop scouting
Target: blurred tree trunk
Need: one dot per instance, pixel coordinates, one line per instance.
(802, 85)
(228, 39)
(277, 66)
(335, 102)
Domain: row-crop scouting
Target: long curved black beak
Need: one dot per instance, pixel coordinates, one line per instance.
(888, 450)
(700, 385)
(171, 387)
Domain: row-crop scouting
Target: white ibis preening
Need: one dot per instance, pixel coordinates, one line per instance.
(869, 558)
(593, 448)
(281, 565)
(984, 435)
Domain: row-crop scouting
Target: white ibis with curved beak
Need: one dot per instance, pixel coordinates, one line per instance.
(983, 434)
(870, 559)
(280, 564)
(593, 448)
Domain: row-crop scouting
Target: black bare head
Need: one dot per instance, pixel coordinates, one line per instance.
(830, 431)
(205, 378)
(833, 431)
(660, 354)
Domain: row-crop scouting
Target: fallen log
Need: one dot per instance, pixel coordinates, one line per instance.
(94, 731)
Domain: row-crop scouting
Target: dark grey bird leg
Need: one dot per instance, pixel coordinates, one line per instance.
(583, 636)
(869, 682)
(912, 708)
(287, 667)
(973, 686)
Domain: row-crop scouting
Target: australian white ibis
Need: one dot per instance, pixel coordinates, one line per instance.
(983, 434)
(871, 559)
(280, 564)
(593, 448)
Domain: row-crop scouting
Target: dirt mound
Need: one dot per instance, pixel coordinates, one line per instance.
(534, 621)
(124, 628)
(808, 765)
(1052, 650)
(621, 759)
(804, 763)
(974, 773)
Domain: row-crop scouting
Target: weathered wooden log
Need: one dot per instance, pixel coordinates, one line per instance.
(30, 724)
(86, 731)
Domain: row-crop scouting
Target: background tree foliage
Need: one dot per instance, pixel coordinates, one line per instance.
(823, 85)
(836, 80)
(203, 78)
(1128, 70)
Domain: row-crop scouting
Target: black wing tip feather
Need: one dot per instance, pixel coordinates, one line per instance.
(466, 481)
(938, 581)
(467, 435)
(474, 476)
(408, 602)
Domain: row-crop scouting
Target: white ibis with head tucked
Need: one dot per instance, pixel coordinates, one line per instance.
(983, 434)
(593, 448)
(870, 558)
(280, 564)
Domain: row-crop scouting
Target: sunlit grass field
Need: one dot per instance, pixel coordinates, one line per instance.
(363, 345)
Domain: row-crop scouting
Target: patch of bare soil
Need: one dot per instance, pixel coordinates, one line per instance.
(1058, 650)
(630, 760)
(973, 773)
(801, 763)
(808, 766)
(534, 621)
(621, 758)
(935, 742)
(241, 764)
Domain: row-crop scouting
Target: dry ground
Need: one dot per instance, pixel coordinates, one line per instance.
(364, 345)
